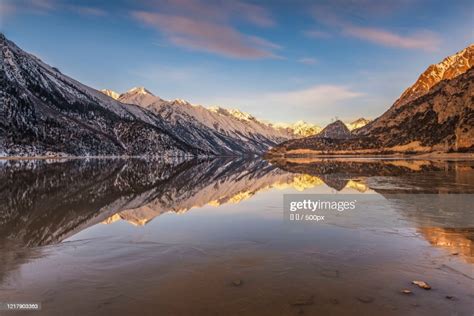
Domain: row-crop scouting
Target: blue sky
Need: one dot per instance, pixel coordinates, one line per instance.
(279, 60)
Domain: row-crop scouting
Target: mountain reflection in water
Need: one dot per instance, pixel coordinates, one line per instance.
(45, 203)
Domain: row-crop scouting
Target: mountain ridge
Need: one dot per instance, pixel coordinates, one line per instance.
(282, 130)
(449, 68)
(44, 112)
(439, 120)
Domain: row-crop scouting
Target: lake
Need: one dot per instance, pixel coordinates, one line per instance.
(213, 237)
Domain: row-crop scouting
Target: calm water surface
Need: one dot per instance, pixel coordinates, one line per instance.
(136, 237)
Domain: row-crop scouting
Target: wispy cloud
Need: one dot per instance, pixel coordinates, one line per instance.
(216, 10)
(253, 13)
(6, 8)
(316, 103)
(308, 61)
(314, 96)
(341, 14)
(210, 36)
(47, 6)
(423, 40)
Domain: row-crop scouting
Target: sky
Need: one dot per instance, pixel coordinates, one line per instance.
(281, 61)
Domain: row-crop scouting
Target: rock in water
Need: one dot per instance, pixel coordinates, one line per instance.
(237, 282)
(422, 284)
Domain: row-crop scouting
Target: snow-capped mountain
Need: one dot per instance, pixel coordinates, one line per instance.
(258, 135)
(300, 128)
(360, 122)
(139, 96)
(44, 112)
(114, 95)
(217, 130)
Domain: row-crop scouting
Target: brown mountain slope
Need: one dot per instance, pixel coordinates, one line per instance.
(451, 67)
(440, 120)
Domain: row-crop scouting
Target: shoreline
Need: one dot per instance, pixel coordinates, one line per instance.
(468, 156)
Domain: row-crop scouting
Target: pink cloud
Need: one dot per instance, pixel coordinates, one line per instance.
(218, 10)
(420, 40)
(48, 6)
(338, 17)
(6, 9)
(210, 36)
(253, 13)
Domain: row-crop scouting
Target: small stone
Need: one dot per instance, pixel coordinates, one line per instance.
(422, 284)
(406, 291)
(303, 300)
(237, 282)
(365, 299)
(449, 297)
(455, 253)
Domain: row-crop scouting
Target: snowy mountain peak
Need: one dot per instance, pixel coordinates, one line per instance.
(360, 122)
(234, 113)
(110, 93)
(215, 109)
(300, 128)
(139, 96)
(139, 90)
(243, 116)
(180, 102)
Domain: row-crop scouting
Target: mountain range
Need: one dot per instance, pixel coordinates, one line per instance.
(435, 114)
(46, 113)
(242, 128)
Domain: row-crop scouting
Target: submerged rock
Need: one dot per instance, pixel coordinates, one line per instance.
(237, 282)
